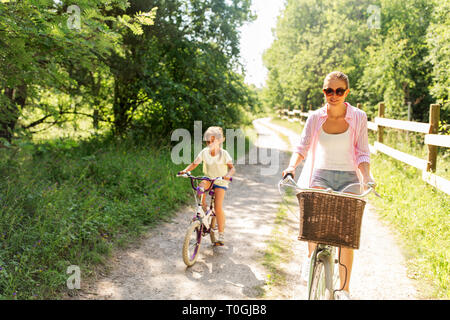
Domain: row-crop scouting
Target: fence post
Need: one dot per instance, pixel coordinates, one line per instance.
(380, 128)
(434, 124)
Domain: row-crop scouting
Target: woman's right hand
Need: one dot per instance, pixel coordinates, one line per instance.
(289, 170)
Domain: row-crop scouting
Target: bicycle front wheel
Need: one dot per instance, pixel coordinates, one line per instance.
(319, 289)
(192, 241)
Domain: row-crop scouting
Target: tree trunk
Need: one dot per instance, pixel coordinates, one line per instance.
(10, 113)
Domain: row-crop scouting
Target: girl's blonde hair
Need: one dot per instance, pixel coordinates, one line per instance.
(337, 75)
(216, 132)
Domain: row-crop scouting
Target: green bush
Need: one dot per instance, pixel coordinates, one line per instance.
(68, 203)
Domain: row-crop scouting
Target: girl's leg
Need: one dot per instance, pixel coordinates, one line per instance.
(218, 205)
(345, 272)
(205, 185)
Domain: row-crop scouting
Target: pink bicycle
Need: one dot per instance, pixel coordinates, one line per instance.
(202, 223)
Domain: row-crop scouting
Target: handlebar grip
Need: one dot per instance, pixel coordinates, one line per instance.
(288, 174)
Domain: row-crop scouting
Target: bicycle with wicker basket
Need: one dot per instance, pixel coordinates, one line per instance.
(331, 219)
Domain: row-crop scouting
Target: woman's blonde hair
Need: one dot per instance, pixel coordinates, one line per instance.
(337, 75)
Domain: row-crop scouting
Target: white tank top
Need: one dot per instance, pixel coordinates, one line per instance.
(334, 151)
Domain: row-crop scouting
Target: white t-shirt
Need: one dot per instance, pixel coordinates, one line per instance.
(215, 166)
(334, 151)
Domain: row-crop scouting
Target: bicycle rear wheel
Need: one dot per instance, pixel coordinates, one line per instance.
(320, 289)
(192, 241)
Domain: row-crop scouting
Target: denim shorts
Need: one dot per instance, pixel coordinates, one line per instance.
(221, 187)
(336, 180)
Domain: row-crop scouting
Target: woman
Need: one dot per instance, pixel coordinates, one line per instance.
(335, 145)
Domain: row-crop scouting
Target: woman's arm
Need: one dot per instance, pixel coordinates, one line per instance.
(296, 159)
(364, 168)
(300, 151)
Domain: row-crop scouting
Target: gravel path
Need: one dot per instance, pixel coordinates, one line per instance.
(154, 269)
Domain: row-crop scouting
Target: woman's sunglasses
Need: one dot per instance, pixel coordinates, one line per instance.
(339, 91)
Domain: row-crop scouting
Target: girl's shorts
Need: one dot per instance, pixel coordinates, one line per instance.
(336, 180)
(221, 187)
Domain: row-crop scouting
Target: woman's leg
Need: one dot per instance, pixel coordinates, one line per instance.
(345, 272)
(311, 245)
(219, 195)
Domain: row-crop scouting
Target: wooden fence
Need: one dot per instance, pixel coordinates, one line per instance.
(432, 140)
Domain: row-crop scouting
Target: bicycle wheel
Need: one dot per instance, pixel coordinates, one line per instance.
(191, 245)
(320, 289)
(213, 229)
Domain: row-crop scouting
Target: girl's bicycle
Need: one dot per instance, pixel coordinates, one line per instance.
(202, 223)
(331, 219)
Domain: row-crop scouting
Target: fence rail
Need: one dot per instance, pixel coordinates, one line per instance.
(431, 139)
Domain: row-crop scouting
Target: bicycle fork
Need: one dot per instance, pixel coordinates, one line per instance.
(326, 258)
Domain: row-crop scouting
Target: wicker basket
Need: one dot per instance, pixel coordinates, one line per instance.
(330, 219)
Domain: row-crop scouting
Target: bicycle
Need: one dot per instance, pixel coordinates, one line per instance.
(202, 223)
(327, 226)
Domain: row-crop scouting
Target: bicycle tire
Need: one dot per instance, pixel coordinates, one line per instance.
(321, 285)
(213, 228)
(191, 244)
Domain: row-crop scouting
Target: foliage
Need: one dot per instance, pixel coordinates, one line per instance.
(438, 41)
(124, 64)
(400, 57)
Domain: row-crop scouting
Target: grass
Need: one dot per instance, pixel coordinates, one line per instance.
(67, 202)
(421, 215)
(417, 211)
(277, 252)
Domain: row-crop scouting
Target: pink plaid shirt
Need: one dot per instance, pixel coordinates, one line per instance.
(357, 120)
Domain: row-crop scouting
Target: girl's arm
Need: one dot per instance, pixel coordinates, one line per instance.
(193, 165)
(190, 167)
(230, 172)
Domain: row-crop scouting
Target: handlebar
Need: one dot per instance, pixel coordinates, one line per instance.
(289, 178)
(199, 189)
(188, 175)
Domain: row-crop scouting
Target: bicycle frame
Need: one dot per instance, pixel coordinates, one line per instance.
(324, 253)
(197, 192)
(201, 223)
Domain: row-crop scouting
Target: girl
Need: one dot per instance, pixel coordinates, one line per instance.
(217, 162)
(335, 145)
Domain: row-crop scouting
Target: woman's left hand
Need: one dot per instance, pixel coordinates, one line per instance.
(366, 181)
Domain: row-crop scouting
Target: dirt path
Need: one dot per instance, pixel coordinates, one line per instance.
(154, 269)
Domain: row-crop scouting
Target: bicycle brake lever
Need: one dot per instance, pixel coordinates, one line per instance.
(376, 193)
